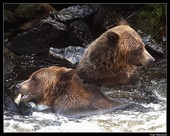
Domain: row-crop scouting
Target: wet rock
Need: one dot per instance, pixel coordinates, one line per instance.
(39, 39)
(10, 23)
(70, 54)
(80, 33)
(31, 14)
(10, 60)
(10, 105)
(109, 15)
(28, 11)
(54, 23)
(50, 31)
(13, 108)
(103, 19)
(154, 48)
(9, 20)
(73, 12)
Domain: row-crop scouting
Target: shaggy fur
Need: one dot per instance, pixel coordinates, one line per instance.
(62, 90)
(112, 58)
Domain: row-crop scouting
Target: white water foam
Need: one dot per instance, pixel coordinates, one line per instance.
(120, 122)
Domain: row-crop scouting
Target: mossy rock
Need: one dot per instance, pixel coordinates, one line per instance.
(151, 17)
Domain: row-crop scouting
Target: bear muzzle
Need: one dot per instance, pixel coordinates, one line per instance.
(148, 58)
(21, 95)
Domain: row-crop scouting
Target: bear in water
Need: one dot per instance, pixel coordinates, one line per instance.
(61, 89)
(112, 59)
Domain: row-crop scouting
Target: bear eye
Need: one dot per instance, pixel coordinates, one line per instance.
(136, 52)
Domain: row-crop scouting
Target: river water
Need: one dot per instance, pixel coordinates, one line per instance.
(147, 115)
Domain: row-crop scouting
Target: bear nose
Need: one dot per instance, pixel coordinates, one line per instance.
(18, 85)
(151, 60)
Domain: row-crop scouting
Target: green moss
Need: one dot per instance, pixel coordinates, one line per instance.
(149, 18)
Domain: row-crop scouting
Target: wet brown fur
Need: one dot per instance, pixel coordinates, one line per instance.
(62, 90)
(112, 58)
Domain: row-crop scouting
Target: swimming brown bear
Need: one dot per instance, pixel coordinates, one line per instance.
(112, 58)
(62, 90)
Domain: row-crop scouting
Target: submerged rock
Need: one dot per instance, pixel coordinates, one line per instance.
(70, 54)
(11, 106)
(80, 33)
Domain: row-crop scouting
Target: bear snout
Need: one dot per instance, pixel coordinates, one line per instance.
(18, 85)
(21, 86)
(149, 58)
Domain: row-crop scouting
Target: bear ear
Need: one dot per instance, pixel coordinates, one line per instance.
(67, 75)
(112, 38)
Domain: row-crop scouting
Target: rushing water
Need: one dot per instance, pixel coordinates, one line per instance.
(147, 115)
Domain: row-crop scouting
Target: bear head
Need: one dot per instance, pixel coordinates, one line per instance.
(42, 85)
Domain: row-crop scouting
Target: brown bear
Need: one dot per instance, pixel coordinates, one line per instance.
(112, 59)
(62, 90)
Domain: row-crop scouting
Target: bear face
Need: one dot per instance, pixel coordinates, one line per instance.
(39, 87)
(62, 90)
(112, 58)
(130, 48)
